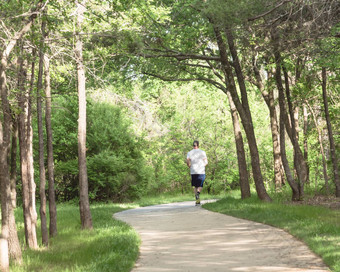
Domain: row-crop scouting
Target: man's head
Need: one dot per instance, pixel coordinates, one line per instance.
(196, 144)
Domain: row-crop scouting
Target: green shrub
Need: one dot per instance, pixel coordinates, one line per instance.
(116, 168)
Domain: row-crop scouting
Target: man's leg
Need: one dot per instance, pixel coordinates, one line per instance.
(197, 195)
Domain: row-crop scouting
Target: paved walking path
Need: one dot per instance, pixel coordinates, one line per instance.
(181, 237)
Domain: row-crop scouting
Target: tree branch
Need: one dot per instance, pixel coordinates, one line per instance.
(269, 11)
(209, 80)
(181, 56)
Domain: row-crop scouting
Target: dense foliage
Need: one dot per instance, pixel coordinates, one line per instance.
(116, 168)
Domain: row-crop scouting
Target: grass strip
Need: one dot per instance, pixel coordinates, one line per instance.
(318, 227)
(110, 246)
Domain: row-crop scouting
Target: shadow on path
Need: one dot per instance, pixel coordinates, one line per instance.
(181, 237)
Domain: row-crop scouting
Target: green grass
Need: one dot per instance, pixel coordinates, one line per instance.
(110, 246)
(318, 227)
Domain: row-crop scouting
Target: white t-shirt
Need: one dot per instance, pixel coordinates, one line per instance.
(198, 160)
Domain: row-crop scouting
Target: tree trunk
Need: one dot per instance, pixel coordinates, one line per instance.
(268, 97)
(9, 236)
(13, 174)
(299, 162)
(242, 108)
(290, 178)
(50, 160)
(42, 170)
(8, 226)
(32, 185)
(26, 161)
(305, 139)
(324, 163)
(241, 155)
(84, 204)
(4, 257)
(330, 134)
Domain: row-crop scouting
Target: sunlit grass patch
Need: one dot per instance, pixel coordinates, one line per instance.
(110, 246)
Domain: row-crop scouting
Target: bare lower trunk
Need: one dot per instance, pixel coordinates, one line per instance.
(324, 163)
(269, 99)
(26, 161)
(9, 236)
(299, 163)
(84, 204)
(42, 170)
(50, 160)
(9, 231)
(13, 175)
(330, 134)
(241, 156)
(289, 175)
(305, 139)
(8, 226)
(242, 107)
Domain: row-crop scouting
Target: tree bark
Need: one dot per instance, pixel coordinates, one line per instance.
(9, 235)
(13, 169)
(242, 107)
(268, 97)
(32, 185)
(50, 160)
(241, 155)
(4, 256)
(8, 226)
(42, 170)
(324, 163)
(26, 160)
(84, 204)
(305, 139)
(299, 163)
(330, 134)
(290, 178)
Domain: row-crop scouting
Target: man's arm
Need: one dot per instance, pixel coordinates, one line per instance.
(205, 160)
(188, 162)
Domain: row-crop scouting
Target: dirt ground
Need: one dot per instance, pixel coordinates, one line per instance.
(329, 201)
(181, 237)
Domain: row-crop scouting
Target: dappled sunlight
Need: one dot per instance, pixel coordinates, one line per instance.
(182, 237)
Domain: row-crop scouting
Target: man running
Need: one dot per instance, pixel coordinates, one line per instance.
(197, 160)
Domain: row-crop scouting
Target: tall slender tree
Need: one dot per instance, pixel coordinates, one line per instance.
(26, 156)
(322, 151)
(84, 204)
(13, 164)
(50, 159)
(42, 170)
(268, 96)
(244, 111)
(8, 227)
(330, 133)
(283, 116)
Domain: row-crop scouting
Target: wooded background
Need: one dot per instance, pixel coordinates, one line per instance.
(101, 101)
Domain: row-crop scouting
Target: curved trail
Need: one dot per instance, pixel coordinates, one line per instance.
(181, 237)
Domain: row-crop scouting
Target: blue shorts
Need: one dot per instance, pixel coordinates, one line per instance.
(197, 180)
